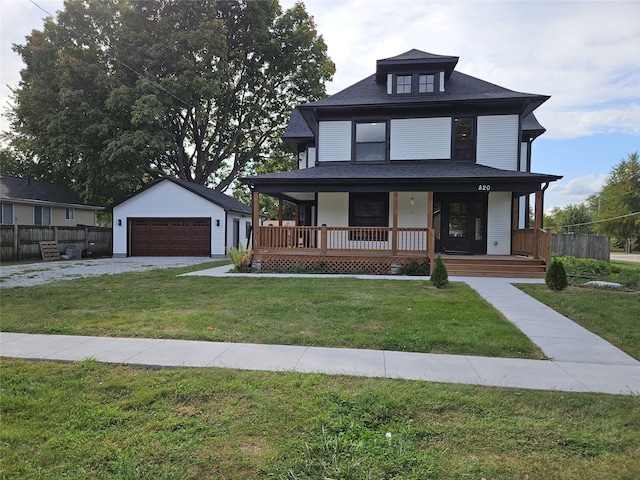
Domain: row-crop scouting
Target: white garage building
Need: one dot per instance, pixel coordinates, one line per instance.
(173, 217)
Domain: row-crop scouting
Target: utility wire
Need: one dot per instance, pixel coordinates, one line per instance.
(600, 221)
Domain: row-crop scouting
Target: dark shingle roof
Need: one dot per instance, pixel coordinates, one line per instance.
(415, 59)
(224, 201)
(459, 88)
(298, 127)
(410, 172)
(16, 188)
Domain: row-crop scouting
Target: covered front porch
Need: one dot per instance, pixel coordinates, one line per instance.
(381, 250)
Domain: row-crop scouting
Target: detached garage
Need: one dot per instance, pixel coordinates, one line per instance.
(173, 217)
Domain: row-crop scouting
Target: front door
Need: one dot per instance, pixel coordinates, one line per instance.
(463, 224)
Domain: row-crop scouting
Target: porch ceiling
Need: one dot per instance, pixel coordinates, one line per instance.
(432, 175)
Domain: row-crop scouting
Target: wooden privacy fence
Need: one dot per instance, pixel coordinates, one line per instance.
(21, 242)
(597, 247)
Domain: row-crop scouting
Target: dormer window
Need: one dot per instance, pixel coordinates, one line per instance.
(403, 84)
(427, 83)
(422, 83)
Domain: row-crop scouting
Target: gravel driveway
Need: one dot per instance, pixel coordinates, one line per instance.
(27, 275)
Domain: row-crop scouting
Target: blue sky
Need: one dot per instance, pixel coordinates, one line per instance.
(584, 54)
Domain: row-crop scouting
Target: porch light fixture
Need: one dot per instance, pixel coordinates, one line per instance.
(119, 222)
(412, 201)
(217, 223)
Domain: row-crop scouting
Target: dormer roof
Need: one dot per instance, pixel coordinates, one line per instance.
(415, 60)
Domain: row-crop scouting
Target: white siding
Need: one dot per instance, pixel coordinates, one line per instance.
(498, 141)
(442, 81)
(167, 200)
(408, 215)
(244, 220)
(499, 224)
(311, 157)
(523, 156)
(333, 209)
(334, 141)
(421, 138)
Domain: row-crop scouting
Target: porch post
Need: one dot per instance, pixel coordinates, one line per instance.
(280, 212)
(515, 213)
(431, 238)
(394, 230)
(297, 214)
(538, 223)
(256, 221)
(539, 207)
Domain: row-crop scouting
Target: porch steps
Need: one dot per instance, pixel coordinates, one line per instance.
(493, 266)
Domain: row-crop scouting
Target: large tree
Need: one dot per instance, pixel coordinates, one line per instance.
(617, 205)
(117, 92)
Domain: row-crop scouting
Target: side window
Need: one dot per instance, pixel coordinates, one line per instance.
(464, 139)
(41, 215)
(371, 142)
(69, 214)
(6, 214)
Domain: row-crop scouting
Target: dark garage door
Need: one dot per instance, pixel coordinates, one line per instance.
(170, 237)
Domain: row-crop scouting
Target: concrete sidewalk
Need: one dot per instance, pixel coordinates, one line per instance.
(579, 360)
(472, 370)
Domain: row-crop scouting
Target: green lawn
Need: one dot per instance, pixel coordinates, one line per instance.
(91, 420)
(346, 312)
(613, 315)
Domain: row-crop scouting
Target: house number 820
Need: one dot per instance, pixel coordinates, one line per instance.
(484, 188)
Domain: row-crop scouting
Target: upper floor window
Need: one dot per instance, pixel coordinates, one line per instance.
(427, 83)
(371, 142)
(403, 84)
(41, 215)
(69, 214)
(464, 143)
(6, 214)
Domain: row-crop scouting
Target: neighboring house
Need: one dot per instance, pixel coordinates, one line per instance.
(34, 202)
(172, 217)
(413, 161)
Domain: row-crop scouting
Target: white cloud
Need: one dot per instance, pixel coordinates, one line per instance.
(573, 191)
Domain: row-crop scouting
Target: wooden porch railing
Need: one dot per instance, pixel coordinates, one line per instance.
(532, 241)
(346, 239)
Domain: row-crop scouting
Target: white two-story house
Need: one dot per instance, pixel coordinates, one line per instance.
(413, 161)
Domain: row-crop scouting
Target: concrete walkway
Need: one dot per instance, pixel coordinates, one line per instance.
(580, 361)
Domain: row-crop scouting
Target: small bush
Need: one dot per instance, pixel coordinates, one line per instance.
(298, 267)
(439, 276)
(241, 258)
(319, 267)
(556, 277)
(413, 268)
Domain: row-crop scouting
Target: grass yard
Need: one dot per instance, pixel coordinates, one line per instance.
(613, 315)
(91, 420)
(380, 314)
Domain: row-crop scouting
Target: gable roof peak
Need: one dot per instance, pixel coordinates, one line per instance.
(415, 60)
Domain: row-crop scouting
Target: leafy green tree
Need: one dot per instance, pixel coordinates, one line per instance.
(617, 205)
(118, 92)
(570, 219)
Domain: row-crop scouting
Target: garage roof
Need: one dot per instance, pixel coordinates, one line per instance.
(224, 201)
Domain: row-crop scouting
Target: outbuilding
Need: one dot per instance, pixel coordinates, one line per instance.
(174, 217)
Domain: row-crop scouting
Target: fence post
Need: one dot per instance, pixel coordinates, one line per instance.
(16, 243)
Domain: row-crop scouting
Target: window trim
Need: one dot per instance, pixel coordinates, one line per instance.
(355, 143)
